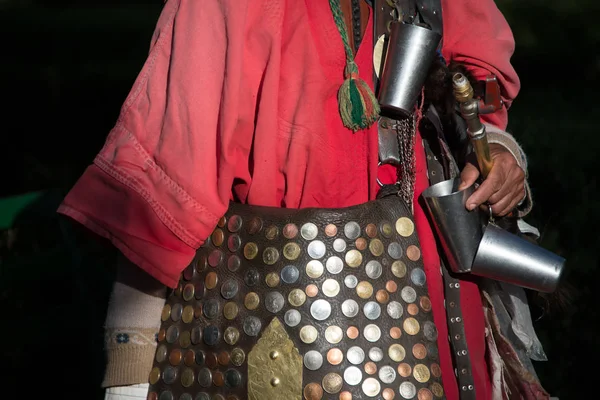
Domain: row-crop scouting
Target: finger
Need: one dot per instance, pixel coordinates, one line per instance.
(516, 198)
(491, 185)
(468, 176)
(502, 205)
(513, 186)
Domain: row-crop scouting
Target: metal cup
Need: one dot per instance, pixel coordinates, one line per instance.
(459, 230)
(410, 53)
(506, 257)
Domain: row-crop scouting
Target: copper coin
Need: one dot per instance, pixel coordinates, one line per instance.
(211, 280)
(331, 230)
(189, 358)
(218, 237)
(412, 309)
(345, 396)
(388, 394)
(211, 360)
(254, 225)
(404, 370)
(218, 378)
(382, 296)
(419, 351)
(250, 250)
(223, 358)
(371, 230)
(175, 357)
(201, 263)
(335, 356)
(152, 396)
(391, 286)
(271, 232)
(395, 332)
(290, 231)
(161, 335)
(425, 394)
(370, 368)
(222, 222)
(313, 391)
(352, 332)
(361, 244)
(198, 311)
(312, 290)
(413, 253)
(425, 303)
(436, 370)
(437, 389)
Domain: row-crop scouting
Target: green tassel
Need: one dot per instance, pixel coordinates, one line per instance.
(358, 106)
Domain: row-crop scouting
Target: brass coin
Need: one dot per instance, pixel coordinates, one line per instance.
(254, 225)
(251, 301)
(308, 334)
(412, 309)
(218, 237)
(388, 394)
(435, 370)
(218, 379)
(270, 255)
(211, 360)
(187, 377)
(345, 395)
(297, 297)
(361, 244)
(162, 334)
(185, 340)
(335, 356)
(291, 251)
(154, 375)
(222, 222)
(371, 230)
(230, 310)
(386, 229)
(331, 230)
(396, 352)
(272, 279)
(314, 269)
(312, 290)
(370, 368)
(405, 227)
(419, 351)
(313, 391)
(437, 389)
(421, 373)
(391, 286)
(211, 280)
(404, 370)
(425, 394)
(411, 326)
(271, 232)
(353, 258)
(223, 358)
(395, 332)
(231, 335)
(399, 269)
(413, 253)
(188, 314)
(237, 357)
(188, 292)
(382, 296)
(166, 312)
(425, 303)
(189, 358)
(352, 332)
(364, 290)
(250, 250)
(290, 231)
(376, 247)
(332, 383)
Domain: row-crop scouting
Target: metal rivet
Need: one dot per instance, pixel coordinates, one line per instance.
(275, 381)
(274, 354)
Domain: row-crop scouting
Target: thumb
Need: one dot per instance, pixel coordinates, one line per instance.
(468, 176)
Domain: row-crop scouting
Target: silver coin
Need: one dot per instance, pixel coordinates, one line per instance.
(350, 308)
(210, 308)
(371, 387)
(309, 231)
(172, 334)
(161, 353)
(205, 377)
(372, 333)
(166, 395)
(407, 390)
(333, 334)
(252, 325)
(169, 375)
(185, 396)
(290, 274)
(176, 312)
(320, 309)
(355, 355)
(395, 250)
(373, 269)
(334, 265)
(202, 396)
(274, 302)
(387, 374)
(352, 376)
(292, 317)
(351, 281)
(395, 310)
(313, 360)
(417, 276)
(432, 350)
(330, 287)
(375, 354)
(430, 331)
(339, 245)
(372, 310)
(229, 289)
(316, 249)
(352, 230)
(235, 223)
(234, 243)
(408, 294)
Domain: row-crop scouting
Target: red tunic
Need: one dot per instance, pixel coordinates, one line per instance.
(238, 99)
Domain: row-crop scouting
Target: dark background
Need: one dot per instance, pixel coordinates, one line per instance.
(67, 66)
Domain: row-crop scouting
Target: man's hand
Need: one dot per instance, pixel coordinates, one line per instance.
(504, 187)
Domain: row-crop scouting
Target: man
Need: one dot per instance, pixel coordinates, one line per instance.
(238, 101)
